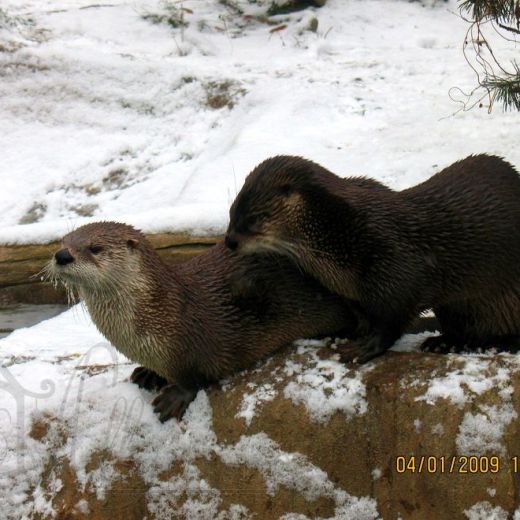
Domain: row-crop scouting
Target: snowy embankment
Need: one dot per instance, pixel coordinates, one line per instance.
(105, 114)
(62, 372)
(301, 436)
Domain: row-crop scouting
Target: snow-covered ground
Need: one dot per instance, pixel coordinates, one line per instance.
(106, 114)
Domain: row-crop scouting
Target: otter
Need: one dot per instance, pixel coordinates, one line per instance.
(451, 243)
(194, 323)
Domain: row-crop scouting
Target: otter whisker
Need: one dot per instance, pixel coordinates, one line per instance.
(42, 274)
(287, 248)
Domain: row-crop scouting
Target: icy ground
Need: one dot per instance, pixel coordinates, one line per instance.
(106, 111)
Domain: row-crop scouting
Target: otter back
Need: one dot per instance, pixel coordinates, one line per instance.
(451, 243)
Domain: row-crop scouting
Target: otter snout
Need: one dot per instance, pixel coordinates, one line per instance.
(63, 257)
(231, 241)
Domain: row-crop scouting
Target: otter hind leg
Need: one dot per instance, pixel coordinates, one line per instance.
(442, 345)
(360, 350)
(148, 379)
(382, 334)
(445, 345)
(506, 344)
(478, 324)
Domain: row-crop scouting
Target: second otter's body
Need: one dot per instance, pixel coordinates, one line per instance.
(194, 323)
(451, 243)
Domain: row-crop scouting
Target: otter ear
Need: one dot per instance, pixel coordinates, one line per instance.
(132, 243)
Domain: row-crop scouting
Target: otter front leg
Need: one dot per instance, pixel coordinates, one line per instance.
(370, 346)
(148, 379)
(173, 401)
(361, 350)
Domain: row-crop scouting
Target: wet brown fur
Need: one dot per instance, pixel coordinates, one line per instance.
(451, 243)
(199, 321)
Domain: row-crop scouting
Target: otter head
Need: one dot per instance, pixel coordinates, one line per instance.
(101, 257)
(273, 210)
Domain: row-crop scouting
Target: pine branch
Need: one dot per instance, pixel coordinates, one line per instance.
(500, 83)
(505, 11)
(504, 90)
(511, 29)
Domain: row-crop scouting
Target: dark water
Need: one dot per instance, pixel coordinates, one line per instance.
(17, 316)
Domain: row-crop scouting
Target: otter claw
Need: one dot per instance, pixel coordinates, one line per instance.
(356, 354)
(148, 379)
(439, 345)
(360, 350)
(173, 402)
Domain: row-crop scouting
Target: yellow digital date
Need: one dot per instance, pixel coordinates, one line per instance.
(457, 464)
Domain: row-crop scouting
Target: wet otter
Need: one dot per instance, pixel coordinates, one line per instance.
(451, 243)
(193, 323)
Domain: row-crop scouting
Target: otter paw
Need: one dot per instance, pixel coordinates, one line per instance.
(149, 380)
(440, 345)
(173, 402)
(358, 351)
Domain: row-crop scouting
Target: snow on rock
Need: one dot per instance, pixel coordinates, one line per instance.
(483, 426)
(279, 467)
(154, 113)
(300, 433)
(473, 375)
(483, 432)
(63, 377)
(326, 386)
(251, 400)
(486, 511)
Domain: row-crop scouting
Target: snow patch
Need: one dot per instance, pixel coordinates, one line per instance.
(250, 402)
(377, 473)
(485, 511)
(474, 375)
(325, 387)
(482, 432)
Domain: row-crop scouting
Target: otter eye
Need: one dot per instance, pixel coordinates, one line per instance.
(95, 250)
(254, 220)
(250, 221)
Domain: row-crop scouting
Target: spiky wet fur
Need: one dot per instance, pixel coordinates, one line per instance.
(451, 243)
(197, 321)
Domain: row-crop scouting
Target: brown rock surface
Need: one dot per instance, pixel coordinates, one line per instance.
(269, 452)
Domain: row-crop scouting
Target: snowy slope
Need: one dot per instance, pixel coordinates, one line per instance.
(105, 114)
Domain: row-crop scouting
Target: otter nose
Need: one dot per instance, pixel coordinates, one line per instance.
(231, 242)
(63, 257)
